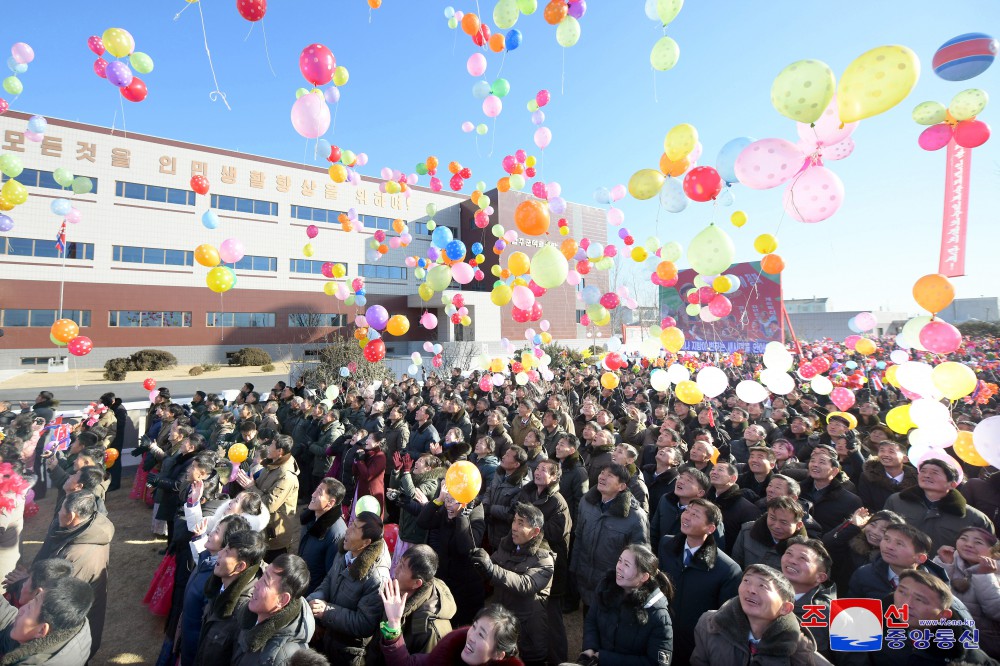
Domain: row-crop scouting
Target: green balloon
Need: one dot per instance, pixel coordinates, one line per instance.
(500, 88)
(527, 7)
(664, 54)
(672, 251)
(419, 273)
(57, 343)
(712, 251)
(568, 32)
(422, 169)
(13, 85)
(484, 201)
(597, 312)
(348, 157)
(803, 90)
(505, 14)
(497, 230)
(968, 104)
(299, 92)
(532, 105)
(431, 225)
(516, 181)
(141, 62)
(431, 210)
(10, 165)
(439, 277)
(668, 10)
(482, 129)
(82, 185)
(929, 113)
(481, 185)
(549, 267)
(63, 176)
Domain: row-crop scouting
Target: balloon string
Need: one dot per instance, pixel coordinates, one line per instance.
(216, 94)
(178, 14)
(267, 53)
(503, 60)
(252, 26)
(121, 102)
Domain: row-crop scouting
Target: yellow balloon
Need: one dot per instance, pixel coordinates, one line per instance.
(688, 392)
(14, 192)
(339, 271)
(546, 337)
(672, 339)
(340, 76)
(397, 325)
(803, 90)
(739, 218)
(609, 380)
(765, 243)
(497, 365)
(500, 296)
(308, 250)
(876, 81)
(721, 284)
(338, 173)
(518, 263)
(639, 254)
(680, 141)
(966, 450)
(890, 375)
(5, 205)
(118, 42)
(330, 288)
(645, 184)
(220, 279)
(602, 321)
(865, 347)
(898, 419)
(954, 380)
(425, 292)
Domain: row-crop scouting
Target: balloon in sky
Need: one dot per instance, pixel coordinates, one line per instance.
(965, 56)
(311, 116)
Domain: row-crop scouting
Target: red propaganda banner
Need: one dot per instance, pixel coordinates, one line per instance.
(956, 211)
(754, 321)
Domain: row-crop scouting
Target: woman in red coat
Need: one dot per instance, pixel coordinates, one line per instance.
(369, 470)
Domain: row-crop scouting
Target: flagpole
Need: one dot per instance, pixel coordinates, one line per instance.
(62, 273)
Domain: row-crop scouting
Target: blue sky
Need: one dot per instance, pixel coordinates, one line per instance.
(409, 93)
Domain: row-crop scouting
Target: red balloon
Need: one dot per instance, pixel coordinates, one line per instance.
(536, 311)
(80, 346)
(199, 184)
(375, 350)
(252, 10)
(610, 300)
(821, 363)
(535, 288)
(334, 154)
(100, 68)
(390, 534)
(702, 183)
(583, 267)
(456, 183)
(31, 510)
(972, 133)
(807, 370)
(135, 91)
(149, 384)
(519, 315)
(96, 44)
(316, 62)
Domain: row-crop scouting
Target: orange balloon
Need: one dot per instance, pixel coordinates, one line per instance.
(569, 248)
(475, 196)
(398, 225)
(64, 330)
(463, 481)
(674, 168)
(518, 169)
(454, 167)
(504, 184)
(374, 4)
(383, 249)
(966, 450)
(532, 217)
(666, 270)
(5, 205)
(772, 263)
(110, 457)
(933, 292)
(207, 255)
(555, 12)
(238, 453)
(470, 24)
(431, 162)
(497, 42)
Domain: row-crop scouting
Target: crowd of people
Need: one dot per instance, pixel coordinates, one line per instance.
(718, 533)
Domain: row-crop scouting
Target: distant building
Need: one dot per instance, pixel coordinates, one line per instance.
(984, 308)
(804, 305)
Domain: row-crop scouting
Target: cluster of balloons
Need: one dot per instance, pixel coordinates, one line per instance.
(20, 55)
(771, 263)
(455, 308)
(437, 360)
(353, 295)
(666, 52)
(933, 293)
(956, 123)
(343, 163)
(66, 333)
(519, 167)
(480, 33)
(13, 193)
(445, 262)
(119, 43)
(220, 279)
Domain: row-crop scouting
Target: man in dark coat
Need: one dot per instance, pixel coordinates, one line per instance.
(691, 483)
(323, 530)
(832, 502)
(885, 475)
(425, 433)
(51, 628)
(508, 480)
(704, 577)
(763, 541)
(43, 406)
(728, 496)
(807, 565)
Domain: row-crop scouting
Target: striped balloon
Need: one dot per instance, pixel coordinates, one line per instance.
(965, 56)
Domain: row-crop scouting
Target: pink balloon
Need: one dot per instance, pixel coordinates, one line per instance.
(476, 64)
(80, 346)
(827, 130)
(3, 106)
(429, 321)
(935, 137)
(312, 231)
(850, 341)
(101, 68)
(814, 195)
(865, 321)
(543, 137)
(467, 127)
(542, 97)
(492, 106)
(96, 44)
(316, 62)
(22, 53)
(972, 133)
(522, 297)
(74, 216)
(842, 397)
(940, 337)
(462, 272)
(838, 151)
(311, 116)
(618, 192)
(616, 216)
(768, 163)
(231, 250)
(720, 306)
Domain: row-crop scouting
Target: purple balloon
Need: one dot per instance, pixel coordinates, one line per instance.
(377, 317)
(118, 73)
(578, 9)
(6, 224)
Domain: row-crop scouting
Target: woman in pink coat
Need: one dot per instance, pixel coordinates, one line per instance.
(369, 471)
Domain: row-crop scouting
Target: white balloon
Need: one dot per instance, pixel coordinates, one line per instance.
(986, 438)
(780, 383)
(928, 413)
(821, 385)
(712, 381)
(899, 357)
(915, 377)
(677, 373)
(750, 391)
(659, 380)
(779, 360)
(614, 343)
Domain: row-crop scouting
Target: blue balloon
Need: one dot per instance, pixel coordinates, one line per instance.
(965, 56)
(537, 339)
(344, 372)
(672, 196)
(322, 149)
(727, 197)
(441, 237)
(361, 292)
(210, 219)
(725, 163)
(61, 207)
(880, 365)
(16, 67)
(449, 12)
(360, 300)
(513, 39)
(455, 250)
(477, 248)
(38, 124)
(851, 324)
(591, 295)
(481, 90)
(851, 365)
(602, 195)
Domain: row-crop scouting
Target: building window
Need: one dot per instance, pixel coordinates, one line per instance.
(42, 318)
(316, 320)
(38, 178)
(148, 319)
(307, 266)
(239, 319)
(579, 315)
(380, 272)
(253, 263)
(154, 193)
(151, 255)
(316, 214)
(420, 229)
(44, 247)
(35, 360)
(240, 205)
